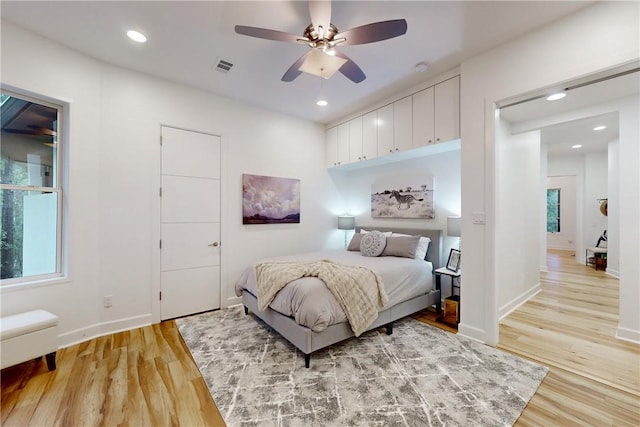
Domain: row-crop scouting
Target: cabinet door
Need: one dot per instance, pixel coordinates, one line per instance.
(343, 143)
(370, 135)
(423, 117)
(447, 110)
(402, 124)
(355, 140)
(385, 130)
(331, 146)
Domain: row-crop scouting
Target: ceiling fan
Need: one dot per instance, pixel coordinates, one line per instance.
(322, 36)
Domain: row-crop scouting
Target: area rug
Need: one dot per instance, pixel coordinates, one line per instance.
(418, 376)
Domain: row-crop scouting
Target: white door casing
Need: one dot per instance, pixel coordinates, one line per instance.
(190, 223)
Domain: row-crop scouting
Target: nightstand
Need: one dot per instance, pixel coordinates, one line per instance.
(452, 303)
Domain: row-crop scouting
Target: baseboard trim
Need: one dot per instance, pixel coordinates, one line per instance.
(232, 301)
(613, 273)
(470, 332)
(100, 329)
(628, 335)
(515, 303)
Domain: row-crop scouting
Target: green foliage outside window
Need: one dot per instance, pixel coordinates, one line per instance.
(553, 210)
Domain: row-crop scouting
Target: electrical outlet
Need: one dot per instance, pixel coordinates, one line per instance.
(108, 301)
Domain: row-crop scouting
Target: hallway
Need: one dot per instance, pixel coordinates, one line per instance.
(570, 327)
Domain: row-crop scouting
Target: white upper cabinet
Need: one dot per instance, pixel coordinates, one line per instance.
(423, 117)
(402, 124)
(370, 135)
(331, 146)
(447, 110)
(385, 130)
(355, 140)
(343, 143)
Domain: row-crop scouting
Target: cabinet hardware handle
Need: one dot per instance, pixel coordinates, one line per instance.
(214, 244)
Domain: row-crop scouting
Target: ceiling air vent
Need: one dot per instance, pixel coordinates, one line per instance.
(223, 66)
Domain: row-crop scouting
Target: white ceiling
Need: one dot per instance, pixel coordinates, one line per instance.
(561, 136)
(186, 38)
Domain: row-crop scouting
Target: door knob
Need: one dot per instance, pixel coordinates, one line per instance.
(213, 244)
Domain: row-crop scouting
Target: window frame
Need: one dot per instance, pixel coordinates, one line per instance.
(58, 188)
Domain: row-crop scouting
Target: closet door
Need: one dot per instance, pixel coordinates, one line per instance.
(190, 223)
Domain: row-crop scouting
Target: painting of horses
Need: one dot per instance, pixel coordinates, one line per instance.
(270, 200)
(403, 197)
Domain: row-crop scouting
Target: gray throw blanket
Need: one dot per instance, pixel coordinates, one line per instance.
(359, 290)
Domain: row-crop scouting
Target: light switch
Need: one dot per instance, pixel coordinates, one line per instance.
(477, 217)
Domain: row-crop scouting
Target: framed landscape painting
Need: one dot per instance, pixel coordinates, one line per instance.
(270, 200)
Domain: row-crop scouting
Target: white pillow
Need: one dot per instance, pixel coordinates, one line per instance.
(384, 233)
(423, 246)
(372, 244)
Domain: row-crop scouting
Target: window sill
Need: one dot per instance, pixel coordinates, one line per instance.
(21, 286)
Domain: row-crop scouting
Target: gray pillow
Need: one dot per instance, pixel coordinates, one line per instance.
(354, 244)
(401, 246)
(372, 244)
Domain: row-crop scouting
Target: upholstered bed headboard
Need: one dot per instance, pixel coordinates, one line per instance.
(434, 253)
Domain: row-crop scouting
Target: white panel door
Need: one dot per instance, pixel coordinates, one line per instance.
(190, 223)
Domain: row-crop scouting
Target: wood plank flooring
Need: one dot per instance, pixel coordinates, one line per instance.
(146, 376)
(570, 326)
(142, 377)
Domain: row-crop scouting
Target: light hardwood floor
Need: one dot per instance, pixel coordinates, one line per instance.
(570, 327)
(146, 377)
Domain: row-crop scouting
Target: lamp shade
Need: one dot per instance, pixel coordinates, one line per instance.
(346, 222)
(454, 224)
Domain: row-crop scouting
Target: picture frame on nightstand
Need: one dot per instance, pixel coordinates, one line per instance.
(453, 263)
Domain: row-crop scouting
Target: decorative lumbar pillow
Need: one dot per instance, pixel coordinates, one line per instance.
(354, 244)
(401, 246)
(372, 244)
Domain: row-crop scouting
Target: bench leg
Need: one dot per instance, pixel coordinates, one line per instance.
(51, 361)
(307, 360)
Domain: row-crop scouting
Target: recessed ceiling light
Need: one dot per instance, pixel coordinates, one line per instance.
(322, 103)
(577, 146)
(136, 36)
(556, 96)
(599, 127)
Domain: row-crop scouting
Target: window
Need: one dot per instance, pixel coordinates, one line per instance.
(30, 189)
(553, 210)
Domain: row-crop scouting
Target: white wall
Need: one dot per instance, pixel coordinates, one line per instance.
(565, 239)
(613, 218)
(445, 170)
(555, 54)
(596, 186)
(517, 217)
(112, 203)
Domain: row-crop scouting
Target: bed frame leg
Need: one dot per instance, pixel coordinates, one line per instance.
(307, 360)
(246, 310)
(389, 328)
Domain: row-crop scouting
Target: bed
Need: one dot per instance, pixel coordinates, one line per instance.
(312, 335)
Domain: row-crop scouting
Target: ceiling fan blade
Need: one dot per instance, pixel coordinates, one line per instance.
(263, 33)
(350, 69)
(320, 13)
(293, 72)
(375, 32)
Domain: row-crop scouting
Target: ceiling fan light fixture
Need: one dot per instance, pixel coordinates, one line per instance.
(137, 36)
(321, 65)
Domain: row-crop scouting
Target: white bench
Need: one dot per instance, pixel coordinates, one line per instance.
(27, 336)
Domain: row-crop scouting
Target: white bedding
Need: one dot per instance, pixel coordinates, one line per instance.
(311, 303)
